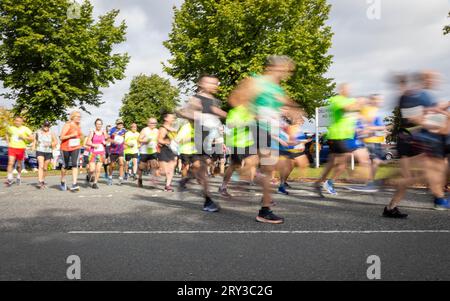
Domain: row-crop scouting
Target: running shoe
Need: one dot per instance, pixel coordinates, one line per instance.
(18, 181)
(267, 216)
(287, 185)
(63, 186)
(182, 183)
(210, 206)
(88, 178)
(318, 189)
(282, 190)
(441, 204)
(9, 183)
(94, 186)
(41, 185)
(139, 183)
(125, 177)
(75, 187)
(393, 213)
(109, 182)
(329, 187)
(168, 189)
(120, 181)
(224, 191)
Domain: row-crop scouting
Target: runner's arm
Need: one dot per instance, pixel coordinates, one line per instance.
(33, 144)
(141, 138)
(54, 141)
(64, 131)
(88, 141)
(161, 134)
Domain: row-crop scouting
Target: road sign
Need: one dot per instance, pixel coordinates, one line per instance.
(323, 116)
(322, 120)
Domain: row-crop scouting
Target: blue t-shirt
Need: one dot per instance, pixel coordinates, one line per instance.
(418, 98)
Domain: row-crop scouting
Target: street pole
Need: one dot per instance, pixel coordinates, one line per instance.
(317, 138)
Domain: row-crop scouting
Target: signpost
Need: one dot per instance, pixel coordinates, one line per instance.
(322, 119)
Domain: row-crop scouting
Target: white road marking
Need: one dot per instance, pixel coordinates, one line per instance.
(264, 232)
(95, 196)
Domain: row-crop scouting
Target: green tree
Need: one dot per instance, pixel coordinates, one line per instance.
(54, 58)
(148, 97)
(447, 27)
(393, 124)
(231, 39)
(6, 119)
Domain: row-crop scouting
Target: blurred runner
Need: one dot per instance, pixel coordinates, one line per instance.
(185, 140)
(205, 110)
(376, 133)
(44, 144)
(168, 149)
(148, 151)
(18, 137)
(107, 151)
(294, 154)
(96, 144)
(240, 122)
(70, 150)
(264, 95)
(421, 143)
(131, 151)
(117, 139)
(341, 137)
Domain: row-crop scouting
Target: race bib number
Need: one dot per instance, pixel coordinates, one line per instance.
(99, 148)
(118, 139)
(152, 144)
(74, 142)
(15, 138)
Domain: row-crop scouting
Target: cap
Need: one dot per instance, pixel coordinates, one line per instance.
(47, 123)
(118, 121)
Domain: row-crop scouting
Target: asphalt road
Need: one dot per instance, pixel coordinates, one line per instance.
(126, 233)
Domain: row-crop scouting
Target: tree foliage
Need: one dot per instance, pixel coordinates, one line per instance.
(447, 27)
(6, 119)
(148, 97)
(393, 124)
(53, 60)
(231, 39)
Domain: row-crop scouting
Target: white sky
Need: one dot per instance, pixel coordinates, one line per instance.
(407, 37)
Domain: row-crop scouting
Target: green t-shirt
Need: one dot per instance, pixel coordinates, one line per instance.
(240, 121)
(267, 105)
(342, 123)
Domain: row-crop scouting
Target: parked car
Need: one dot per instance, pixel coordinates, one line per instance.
(324, 150)
(390, 152)
(3, 157)
(30, 161)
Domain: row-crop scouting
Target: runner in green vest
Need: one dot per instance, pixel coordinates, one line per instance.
(265, 97)
(240, 122)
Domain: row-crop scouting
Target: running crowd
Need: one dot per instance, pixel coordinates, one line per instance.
(262, 135)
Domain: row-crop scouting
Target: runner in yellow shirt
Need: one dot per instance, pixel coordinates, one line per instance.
(18, 137)
(131, 151)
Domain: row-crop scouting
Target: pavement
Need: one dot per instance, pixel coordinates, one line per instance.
(129, 233)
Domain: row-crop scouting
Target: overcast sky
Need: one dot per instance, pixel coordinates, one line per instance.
(406, 37)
